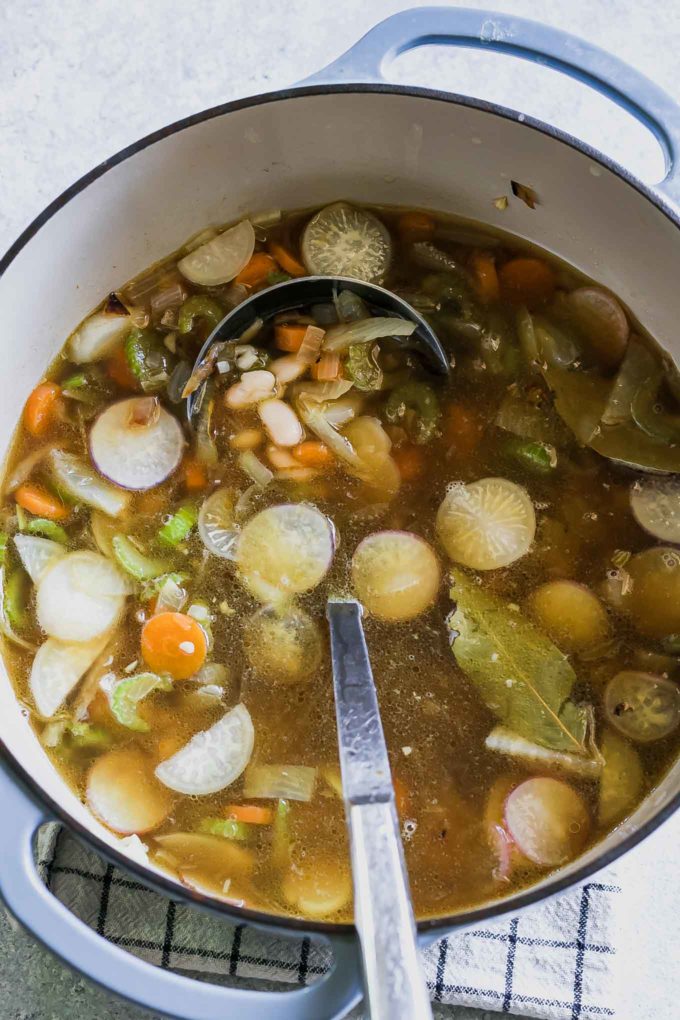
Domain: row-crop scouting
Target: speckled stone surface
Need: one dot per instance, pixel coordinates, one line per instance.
(79, 79)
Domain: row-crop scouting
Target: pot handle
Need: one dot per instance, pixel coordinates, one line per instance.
(161, 991)
(542, 44)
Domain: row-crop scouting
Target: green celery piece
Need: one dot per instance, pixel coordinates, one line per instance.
(128, 692)
(149, 360)
(141, 567)
(178, 528)
(84, 735)
(539, 458)
(3, 546)
(278, 277)
(152, 587)
(523, 678)
(47, 529)
(199, 306)
(422, 399)
(16, 598)
(228, 828)
(281, 839)
(362, 367)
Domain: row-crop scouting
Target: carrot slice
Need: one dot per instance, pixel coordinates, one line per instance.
(485, 276)
(401, 796)
(313, 454)
(252, 814)
(415, 226)
(410, 460)
(287, 260)
(195, 477)
(117, 369)
(289, 337)
(257, 270)
(41, 407)
(462, 430)
(527, 281)
(327, 368)
(174, 643)
(40, 502)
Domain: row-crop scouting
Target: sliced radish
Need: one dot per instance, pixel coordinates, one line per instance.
(205, 862)
(548, 821)
(655, 503)
(79, 481)
(123, 794)
(221, 258)
(104, 531)
(216, 523)
(342, 240)
(80, 597)
(285, 550)
(642, 706)
(98, 336)
(395, 574)
(281, 422)
(57, 668)
(136, 456)
(486, 524)
(284, 646)
(571, 614)
(603, 321)
(213, 758)
(37, 554)
(318, 888)
(505, 741)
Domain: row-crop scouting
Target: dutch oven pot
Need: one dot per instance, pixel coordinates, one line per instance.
(311, 145)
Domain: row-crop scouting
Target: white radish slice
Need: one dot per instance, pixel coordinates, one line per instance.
(98, 336)
(548, 821)
(642, 706)
(213, 758)
(37, 554)
(571, 614)
(285, 550)
(655, 503)
(318, 888)
(285, 646)
(220, 259)
(603, 322)
(395, 575)
(57, 668)
(342, 240)
(79, 481)
(80, 597)
(135, 456)
(486, 524)
(622, 778)
(216, 523)
(505, 741)
(281, 422)
(204, 862)
(123, 794)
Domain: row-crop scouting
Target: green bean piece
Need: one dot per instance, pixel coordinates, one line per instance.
(199, 306)
(148, 359)
(47, 529)
(178, 527)
(16, 598)
(277, 277)
(362, 366)
(228, 828)
(539, 458)
(419, 398)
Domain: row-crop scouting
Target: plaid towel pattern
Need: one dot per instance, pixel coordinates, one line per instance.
(554, 961)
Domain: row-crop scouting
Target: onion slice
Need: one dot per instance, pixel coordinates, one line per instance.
(213, 758)
(280, 782)
(136, 456)
(37, 554)
(79, 481)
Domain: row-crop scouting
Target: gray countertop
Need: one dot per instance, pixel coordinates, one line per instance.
(79, 80)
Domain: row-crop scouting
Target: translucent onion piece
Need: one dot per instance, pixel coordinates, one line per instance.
(280, 782)
(341, 337)
(251, 464)
(395, 575)
(507, 742)
(220, 259)
(213, 758)
(216, 523)
(135, 456)
(486, 524)
(78, 480)
(25, 468)
(57, 668)
(37, 554)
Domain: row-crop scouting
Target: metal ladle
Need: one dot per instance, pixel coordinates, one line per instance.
(295, 295)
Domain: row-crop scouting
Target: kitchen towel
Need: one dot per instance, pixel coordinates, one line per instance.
(556, 961)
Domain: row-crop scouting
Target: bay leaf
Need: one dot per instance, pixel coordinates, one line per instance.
(523, 678)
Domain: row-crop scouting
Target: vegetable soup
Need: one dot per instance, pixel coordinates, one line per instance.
(512, 531)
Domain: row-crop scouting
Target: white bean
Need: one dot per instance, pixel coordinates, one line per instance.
(251, 389)
(281, 459)
(288, 369)
(248, 439)
(281, 422)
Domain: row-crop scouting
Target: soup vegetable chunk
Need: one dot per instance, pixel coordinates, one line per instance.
(513, 533)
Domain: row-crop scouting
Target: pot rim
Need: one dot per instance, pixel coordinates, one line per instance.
(168, 886)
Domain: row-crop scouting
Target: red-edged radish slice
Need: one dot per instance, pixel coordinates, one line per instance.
(220, 259)
(395, 574)
(78, 480)
(37, 554)
(571, 614)
(603, 322)
(80, 597)
(136, 455)
(652, 598)
(548, 821)
(285, 550)
(98, 336)
(655, 503)
(56, 670)
(213, 758)
(642, 706)
(622, 779)
(123, 794)
(486, 524)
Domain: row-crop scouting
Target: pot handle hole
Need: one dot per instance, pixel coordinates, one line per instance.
(159, 990)
(520, 37)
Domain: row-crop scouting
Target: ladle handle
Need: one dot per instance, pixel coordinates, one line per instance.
(394, 982)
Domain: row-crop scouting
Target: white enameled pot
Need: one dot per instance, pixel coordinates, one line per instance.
(310, 145)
